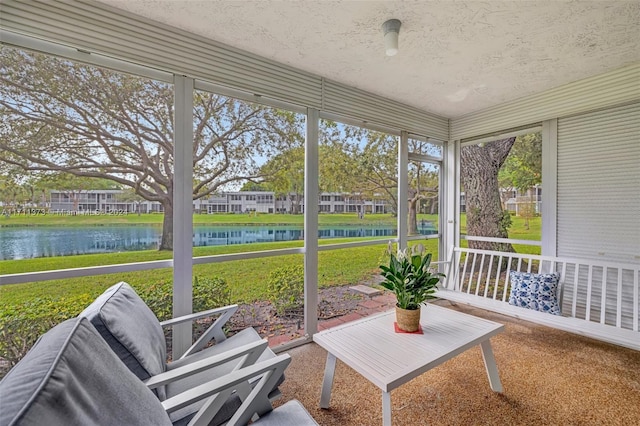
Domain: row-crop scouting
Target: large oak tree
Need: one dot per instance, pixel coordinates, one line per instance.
(479, 166)
(67, 117)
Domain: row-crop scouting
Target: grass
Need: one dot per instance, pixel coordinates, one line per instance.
(247, 278)
(198, 219)
(519, 230)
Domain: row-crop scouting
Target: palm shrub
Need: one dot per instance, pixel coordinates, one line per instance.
(410, 277)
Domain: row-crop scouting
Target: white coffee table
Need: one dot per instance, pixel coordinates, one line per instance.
(388, 359)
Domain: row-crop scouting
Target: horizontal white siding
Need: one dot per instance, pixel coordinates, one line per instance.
(605, 90)
(599, 185)
(98, 28)
(353, 102)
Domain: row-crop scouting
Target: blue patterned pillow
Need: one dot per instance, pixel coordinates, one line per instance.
(538, 292)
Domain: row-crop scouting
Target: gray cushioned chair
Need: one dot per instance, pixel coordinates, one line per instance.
(70, 377)
(134, 333)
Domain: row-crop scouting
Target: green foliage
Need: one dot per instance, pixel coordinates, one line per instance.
(506, 220)
(208, 293)
(409, 277)
(22, 324)
(285, 288)
(523, 167)
(253, 186)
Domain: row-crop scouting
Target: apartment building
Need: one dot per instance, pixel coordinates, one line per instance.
(229, 202)
(104, 200)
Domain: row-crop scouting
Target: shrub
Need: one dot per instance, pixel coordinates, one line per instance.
(208, 293)
(22, 324)
(285, 288)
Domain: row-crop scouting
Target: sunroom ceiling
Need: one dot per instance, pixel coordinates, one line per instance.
(455, 57)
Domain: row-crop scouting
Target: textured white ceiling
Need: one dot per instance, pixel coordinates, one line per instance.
(455, 57)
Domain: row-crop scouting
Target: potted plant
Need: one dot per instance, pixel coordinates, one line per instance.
(409, 276)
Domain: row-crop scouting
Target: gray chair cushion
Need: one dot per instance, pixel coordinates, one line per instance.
(131, 329)
(70, 377)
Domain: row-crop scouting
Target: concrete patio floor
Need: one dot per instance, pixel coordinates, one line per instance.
(550, 377)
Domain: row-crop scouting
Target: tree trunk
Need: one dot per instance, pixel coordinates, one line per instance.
(413, 216)
(295, 203)
(479, 174)
(166, 243)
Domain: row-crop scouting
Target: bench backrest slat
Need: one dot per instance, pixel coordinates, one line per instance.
(497, 276)
(619, 302)
(486, 284)
(636, 299)
(589, 292)
(574, 302)
(480, 273)
(466, 259)
(603, 297)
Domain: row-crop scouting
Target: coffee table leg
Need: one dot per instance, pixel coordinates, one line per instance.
(490, 365)
(386, 408)
(327, 383)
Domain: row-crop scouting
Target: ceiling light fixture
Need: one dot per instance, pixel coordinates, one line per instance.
(391, 29)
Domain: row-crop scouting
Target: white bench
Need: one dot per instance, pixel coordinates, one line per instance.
(597, 299)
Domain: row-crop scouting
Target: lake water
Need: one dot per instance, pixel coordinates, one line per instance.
(41, 241)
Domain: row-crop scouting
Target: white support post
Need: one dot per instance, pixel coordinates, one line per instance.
(182, 212)
(311, 177)
(449, 207)
(549, 187)
(403, 190)
(457, 194)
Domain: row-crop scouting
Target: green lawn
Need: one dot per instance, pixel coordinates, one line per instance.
(201, 219)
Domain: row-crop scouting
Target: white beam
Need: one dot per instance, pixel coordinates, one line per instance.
(549, 209)
(311, 177)
(403, 189)
(182, 211)
(449, 206)
(457, 194)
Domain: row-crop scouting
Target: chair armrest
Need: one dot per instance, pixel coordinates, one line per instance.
(247, 355)
(214, 331)
(204, 314)
(218, 390)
